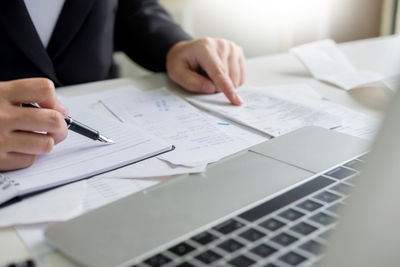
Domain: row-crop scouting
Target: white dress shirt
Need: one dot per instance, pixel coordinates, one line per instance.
(44, 15)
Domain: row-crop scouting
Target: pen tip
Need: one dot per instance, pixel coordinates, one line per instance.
(105, 140)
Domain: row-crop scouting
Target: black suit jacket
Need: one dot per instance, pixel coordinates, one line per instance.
(84, 39)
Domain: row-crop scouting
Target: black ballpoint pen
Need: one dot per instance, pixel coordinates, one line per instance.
(80, 128)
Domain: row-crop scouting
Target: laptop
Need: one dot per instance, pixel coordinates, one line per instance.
(277, 204)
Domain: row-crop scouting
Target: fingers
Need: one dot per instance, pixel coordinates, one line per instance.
(234, 67)
(13, 161)
(219, 75)
(30, 143)
(19, 140)
(222, 61)
(193, 81)
(242, 67)
(43, 120)
(33, 90)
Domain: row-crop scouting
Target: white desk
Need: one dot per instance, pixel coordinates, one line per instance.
(381, 55)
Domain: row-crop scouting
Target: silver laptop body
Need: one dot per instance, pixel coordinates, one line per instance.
(226, 216)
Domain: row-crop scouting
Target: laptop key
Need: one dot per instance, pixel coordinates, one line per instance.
(263, 250)
(291, 214)
(272, 224)
(309, 205)
(241, 261)
(341, 188)
(350, 180)
(312, 246)
(303, 228)
(292, 258)
(181, 249)
(204, 238)
(363, 158)
(327, 197)
(355, 164)
(228, 226)
(284, 239)
(157, 260)
(323, 218)
(340, 173)
(286, 198)
(230, 245)
(185, 264)
(335, 207)
(252, 235)
(208, 257)
(325, 235)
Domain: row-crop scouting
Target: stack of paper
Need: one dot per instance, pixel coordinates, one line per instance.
(198, 140)
(267, 112)
(327, 63)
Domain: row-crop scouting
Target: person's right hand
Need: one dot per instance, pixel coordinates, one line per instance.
(20, 141)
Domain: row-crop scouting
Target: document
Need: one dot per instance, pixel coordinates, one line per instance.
(265, 111)
(55, 205)
(353, 123)
(327, 63)
(101, 191)
(79, 157)
(196, 138)
(151, 168)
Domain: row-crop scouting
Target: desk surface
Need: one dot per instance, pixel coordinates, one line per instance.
(380, 54)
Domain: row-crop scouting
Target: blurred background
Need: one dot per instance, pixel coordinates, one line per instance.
(263, 27)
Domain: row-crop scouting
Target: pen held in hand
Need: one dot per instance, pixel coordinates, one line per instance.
(81, 128)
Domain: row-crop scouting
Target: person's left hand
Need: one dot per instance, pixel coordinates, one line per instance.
(220, 60)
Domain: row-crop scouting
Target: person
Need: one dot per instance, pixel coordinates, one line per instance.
(49, 43)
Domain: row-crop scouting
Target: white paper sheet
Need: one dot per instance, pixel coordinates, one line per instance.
(327, 63)
(102, 191)
(153, 167)
(196, 138)
(33, 237)
(353, 123)
(54, 205)
(78, 157)
(265, 111)
(150, 168)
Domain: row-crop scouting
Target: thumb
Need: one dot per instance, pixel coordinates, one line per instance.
(194, 82)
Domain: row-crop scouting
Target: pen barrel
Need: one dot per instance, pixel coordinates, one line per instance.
(82, 129)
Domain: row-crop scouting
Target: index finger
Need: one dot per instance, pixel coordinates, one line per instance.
(33, 90)
(212, 64)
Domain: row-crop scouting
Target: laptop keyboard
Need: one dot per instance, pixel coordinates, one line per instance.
(288, 230)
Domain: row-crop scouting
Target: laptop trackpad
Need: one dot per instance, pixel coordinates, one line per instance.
(313, 148)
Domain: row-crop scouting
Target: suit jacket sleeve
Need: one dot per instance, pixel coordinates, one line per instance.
(146, 32)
